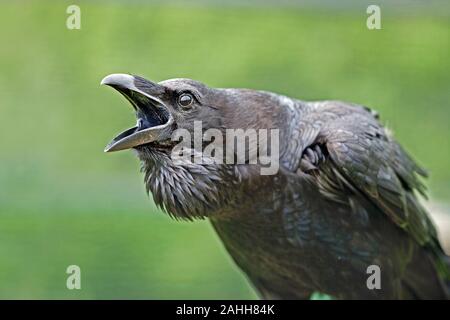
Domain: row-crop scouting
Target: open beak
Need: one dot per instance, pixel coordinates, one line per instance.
(154, 120)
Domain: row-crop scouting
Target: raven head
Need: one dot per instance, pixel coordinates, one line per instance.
(184, 190)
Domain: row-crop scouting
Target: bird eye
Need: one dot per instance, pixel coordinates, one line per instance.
(185, 100)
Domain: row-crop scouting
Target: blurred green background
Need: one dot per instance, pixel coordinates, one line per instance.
(63, 201)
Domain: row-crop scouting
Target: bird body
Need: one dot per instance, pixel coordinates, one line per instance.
(343, 200)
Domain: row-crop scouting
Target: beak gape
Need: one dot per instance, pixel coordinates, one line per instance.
(154, 119)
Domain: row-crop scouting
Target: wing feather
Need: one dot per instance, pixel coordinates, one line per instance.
(366, 157)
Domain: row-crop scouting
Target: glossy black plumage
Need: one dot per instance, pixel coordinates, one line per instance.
(345, 197)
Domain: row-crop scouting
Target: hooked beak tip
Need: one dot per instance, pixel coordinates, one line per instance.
(118, 79)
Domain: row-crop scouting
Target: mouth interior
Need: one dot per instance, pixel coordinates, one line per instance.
(153, 122)
(149, 113)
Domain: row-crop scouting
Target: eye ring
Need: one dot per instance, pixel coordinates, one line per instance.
(185, 100)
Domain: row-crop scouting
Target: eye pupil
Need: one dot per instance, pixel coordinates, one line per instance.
(185, 100)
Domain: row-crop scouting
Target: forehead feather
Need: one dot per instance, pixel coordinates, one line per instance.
(180, 84)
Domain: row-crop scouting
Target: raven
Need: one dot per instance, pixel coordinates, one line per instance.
(342, 204)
